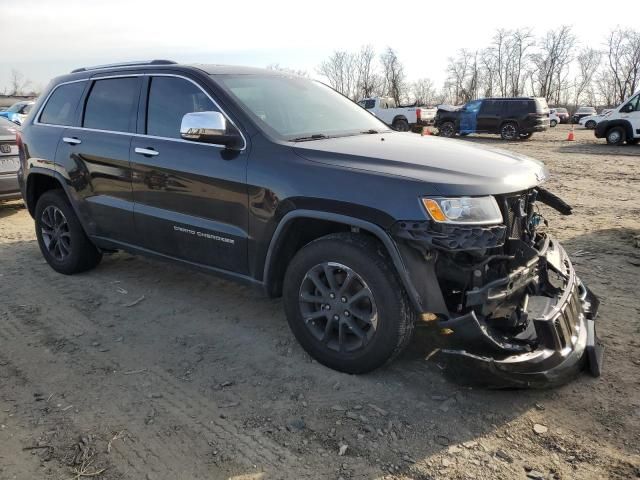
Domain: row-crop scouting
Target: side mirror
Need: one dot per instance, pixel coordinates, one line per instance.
(209, 127)
(628, 108)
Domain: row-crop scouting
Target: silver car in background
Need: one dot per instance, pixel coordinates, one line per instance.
(9, 162)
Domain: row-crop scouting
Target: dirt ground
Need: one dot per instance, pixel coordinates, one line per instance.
(201, 378)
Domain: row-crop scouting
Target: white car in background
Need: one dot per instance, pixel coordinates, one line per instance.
(554, 118)
(591, 121)
(398, 117)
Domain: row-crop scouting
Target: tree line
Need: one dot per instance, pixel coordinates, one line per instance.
(515, 63)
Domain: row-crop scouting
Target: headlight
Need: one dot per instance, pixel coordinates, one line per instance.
(466, 210)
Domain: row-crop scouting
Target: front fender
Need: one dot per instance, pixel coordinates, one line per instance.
(279, 237)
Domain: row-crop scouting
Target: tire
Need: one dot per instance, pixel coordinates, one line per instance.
(616, 136)
(401, 125)
(526, 136)
(62, 241)
(382, 300)
(591, 124)
(447, 130)
(509, 131)
(553, 123)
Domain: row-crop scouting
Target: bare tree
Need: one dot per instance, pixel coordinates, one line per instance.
(369, 82)
(519, 45)
(18, 84)
(393, 75)
(552, 62)
(588, 62)
(423, 91)
(624, 61)
(340, 72)
(463, 75)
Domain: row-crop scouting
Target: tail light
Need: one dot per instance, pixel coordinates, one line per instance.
(418, 114)
(20, 146)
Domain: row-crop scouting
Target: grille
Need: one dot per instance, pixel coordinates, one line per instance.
(568, 320)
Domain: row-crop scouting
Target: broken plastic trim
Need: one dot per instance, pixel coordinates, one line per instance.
(567, 341)
(553, 201)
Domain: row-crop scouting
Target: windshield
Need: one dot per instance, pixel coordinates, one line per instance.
(291, 108)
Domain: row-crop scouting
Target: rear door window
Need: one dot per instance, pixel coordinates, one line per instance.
(61, 106)
(170, 99)
(112, 104)
(491, 107)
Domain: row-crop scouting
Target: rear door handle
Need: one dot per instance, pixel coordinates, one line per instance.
(149, 152)
(71, 140)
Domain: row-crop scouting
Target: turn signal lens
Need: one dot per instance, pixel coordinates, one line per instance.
(434, 210)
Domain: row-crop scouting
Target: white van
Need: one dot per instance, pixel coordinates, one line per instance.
(622, 124)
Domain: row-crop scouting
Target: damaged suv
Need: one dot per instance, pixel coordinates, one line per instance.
(282, 183)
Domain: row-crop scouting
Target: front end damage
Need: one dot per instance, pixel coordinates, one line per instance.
(509, 306)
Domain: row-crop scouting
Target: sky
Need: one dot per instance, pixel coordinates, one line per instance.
(45, 38)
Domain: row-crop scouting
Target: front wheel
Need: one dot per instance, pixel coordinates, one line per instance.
(509, 131)
(62, 241)
(345, 304)
(553, 123)
(447, 129)
(616, 136)
(591, 124)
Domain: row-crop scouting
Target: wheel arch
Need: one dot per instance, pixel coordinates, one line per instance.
(399, 117)
(626, 124)
(283, 246)
(39, 181)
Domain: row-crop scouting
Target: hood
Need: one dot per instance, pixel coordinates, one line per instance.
(449, 166)
(450, 108)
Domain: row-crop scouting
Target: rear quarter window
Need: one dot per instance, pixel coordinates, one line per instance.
(61, 106)
(515, 108)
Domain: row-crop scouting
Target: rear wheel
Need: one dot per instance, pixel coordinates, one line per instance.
(345, 304)
(62, 241)
(447, 129)
(616, 136)
(401, 125)
(509, 131)
(591, 124)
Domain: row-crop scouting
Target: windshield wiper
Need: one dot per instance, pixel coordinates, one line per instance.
(316, 136)
(371, 131)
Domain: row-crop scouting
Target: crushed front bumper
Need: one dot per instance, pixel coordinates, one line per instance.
(565, 332)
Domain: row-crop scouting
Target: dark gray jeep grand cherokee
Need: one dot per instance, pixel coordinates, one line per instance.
(283, 183)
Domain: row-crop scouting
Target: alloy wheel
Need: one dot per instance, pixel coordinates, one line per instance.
(55, 233)
(338, 307)
(509, 131)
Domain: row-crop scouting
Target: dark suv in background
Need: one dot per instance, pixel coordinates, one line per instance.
(282, 183)
(511, 118)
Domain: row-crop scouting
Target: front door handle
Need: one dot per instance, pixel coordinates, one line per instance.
(71, 140)
(149, 152)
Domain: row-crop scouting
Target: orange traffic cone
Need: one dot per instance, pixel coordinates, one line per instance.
(571, 136)
(426, 131)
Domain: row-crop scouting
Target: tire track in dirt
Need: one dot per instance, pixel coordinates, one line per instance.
(184, 407)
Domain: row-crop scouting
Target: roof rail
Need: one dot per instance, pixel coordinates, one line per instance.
(125, 64)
